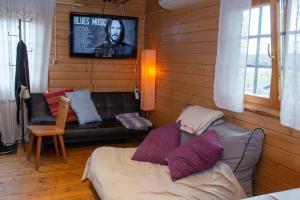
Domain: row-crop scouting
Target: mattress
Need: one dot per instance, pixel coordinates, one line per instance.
(116, 177)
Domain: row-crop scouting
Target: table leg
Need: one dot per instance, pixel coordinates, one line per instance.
(56, 146)
(62, 145)
(31, 139)
(38, 151)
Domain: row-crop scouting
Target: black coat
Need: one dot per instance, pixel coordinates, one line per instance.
(22, 74)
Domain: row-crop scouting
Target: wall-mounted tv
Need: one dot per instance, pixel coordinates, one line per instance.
(103, 36)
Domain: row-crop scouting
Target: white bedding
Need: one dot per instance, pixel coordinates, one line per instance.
(116, 177)
(196, 119)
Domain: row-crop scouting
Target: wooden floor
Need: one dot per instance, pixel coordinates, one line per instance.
(54, 180)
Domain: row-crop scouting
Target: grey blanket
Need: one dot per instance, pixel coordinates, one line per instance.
(134, 121)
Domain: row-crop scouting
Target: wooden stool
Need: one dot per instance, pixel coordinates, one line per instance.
(55, 131)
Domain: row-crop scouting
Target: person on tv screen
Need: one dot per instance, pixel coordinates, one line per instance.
(114, 41)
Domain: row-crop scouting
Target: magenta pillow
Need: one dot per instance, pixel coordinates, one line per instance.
(158, 144)
(196, 155)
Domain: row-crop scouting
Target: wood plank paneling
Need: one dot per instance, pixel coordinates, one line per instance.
(186, 44)
(87, 73)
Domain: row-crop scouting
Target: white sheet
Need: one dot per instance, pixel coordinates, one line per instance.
(196, 119)
(116, 177)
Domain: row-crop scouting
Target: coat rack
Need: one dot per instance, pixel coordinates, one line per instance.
(11, 65)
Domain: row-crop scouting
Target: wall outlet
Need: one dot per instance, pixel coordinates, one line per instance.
(136, 93)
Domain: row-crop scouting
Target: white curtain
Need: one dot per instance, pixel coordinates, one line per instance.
(290, 102)
(232, 54)
(36, 33)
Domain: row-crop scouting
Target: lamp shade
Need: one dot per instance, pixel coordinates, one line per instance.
(148, 72)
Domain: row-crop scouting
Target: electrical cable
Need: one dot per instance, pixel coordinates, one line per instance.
(103, 8)
(55, 38)
(133, 83)
(122, 9)
(91, 75)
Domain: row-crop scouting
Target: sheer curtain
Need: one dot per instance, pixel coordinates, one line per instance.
(290, 101)
(37, 36)
(232, 54)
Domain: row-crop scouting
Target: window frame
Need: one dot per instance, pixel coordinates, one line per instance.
(273, 101)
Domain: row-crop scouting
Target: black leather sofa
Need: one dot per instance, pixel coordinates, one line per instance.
(108, 105)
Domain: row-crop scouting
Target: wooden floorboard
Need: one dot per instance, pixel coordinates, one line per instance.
(55, 179)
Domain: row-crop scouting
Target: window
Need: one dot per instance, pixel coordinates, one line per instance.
(259, 68)
(261, 84)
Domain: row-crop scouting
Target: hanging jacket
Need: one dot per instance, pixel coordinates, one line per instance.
(22, 75)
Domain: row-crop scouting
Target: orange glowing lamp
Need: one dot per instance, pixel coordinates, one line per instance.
(148, 73)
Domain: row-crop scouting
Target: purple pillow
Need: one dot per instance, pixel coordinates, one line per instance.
(158, 144)
(196, 155)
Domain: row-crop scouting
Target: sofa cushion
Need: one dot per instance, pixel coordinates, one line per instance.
(83, 106)
(158, 144)
(110, 104)
(185, 137)
(94, 125)
(40, 113)
(104, 133)
(196, 155)
(242, 151)
(53, 99)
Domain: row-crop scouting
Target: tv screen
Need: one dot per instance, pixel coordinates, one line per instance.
(103, 36)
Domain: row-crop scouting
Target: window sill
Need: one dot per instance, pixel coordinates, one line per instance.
(262, 110)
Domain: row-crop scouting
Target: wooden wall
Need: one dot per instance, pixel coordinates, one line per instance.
(185, 40)
(87, 73)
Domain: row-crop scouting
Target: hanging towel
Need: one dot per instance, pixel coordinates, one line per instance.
(134, 121)
(22, 75)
